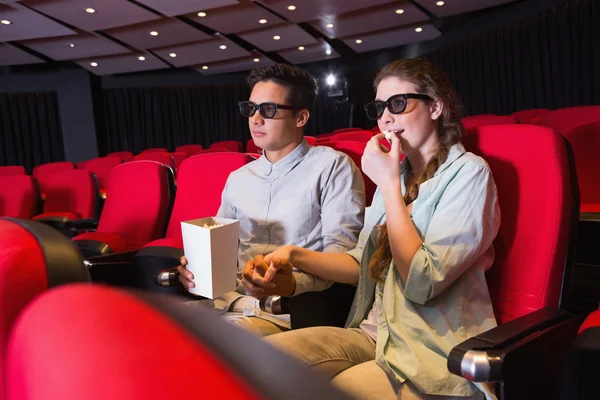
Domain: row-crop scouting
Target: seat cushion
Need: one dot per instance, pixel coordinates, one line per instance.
(73, 216)
(166, 242)
(590, 208)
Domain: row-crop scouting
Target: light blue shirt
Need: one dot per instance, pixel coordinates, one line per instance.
(445, 299)
(313, 198)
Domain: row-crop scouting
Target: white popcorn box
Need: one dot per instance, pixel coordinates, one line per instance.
(210, 246)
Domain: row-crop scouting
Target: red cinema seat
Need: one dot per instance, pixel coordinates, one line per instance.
(311, 140)
(251, 147)
(539, 202)
(178, 158)
(161, 157)
(189, 149)
(19, 196)
(564, 120)
(42, 173)
(125, 156)
(155, 149)
(11, 170)
(585, 141)
(135, 213)
(200, 184)
(72, 199)
(231, 145)
(355, 151)
(33, 258)
(487, 119)
(527, 116)
(102, 343)
(101, 168)
(359, 136)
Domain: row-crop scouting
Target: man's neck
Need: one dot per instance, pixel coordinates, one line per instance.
(275, 156)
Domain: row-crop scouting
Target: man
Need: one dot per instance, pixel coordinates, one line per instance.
(311, 197)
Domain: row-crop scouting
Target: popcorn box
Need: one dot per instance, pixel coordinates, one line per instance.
(211, 249)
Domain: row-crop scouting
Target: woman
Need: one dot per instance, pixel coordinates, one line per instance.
(421, 258)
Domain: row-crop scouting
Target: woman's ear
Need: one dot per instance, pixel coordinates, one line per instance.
(436, 109)
(302, 117)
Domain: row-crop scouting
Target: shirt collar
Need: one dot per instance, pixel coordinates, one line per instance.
(287, 163)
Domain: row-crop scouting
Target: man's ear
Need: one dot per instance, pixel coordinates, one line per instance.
(436, 109)
(302, 117)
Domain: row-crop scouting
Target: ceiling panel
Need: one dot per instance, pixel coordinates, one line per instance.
(313, 52)
(122, 64)
(376, 18)
(237, 65)
(28, 24)
(237, 18)
(202, 53)
(290, 35)
(453, 7)
(109, 13)
(180, 7)
(307, 10)
(392, 38)
(10, 55)
(169, 32)
(76, 47)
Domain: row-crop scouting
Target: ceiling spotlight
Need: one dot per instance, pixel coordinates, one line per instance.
(330, 79)
(141, 58)
(276, 37)
(291, 8)
(72, 45)
(301, 48)
(94, 64)
(358, 41)
(399, 11)
(328, 52)
(5, 22)
(153, 33)
(90, 10)
(202, 14)
(256, 59)
(439, 3)
(222, 47)
(329, 26)
(262, 21)
(419, 29)
(205, 67)
(172, 55)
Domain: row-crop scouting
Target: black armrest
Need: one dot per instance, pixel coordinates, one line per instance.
(581, 365)
(327, 308)
(60, 223)
(113, 269)
(524, 355)
(87, 223)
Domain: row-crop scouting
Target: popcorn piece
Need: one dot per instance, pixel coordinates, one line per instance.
(207, 226)
(388, 135)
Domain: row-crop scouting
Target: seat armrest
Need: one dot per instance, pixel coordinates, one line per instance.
(85, 224)
(480, 358)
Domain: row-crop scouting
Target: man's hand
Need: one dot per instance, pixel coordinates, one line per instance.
(185, 276)
(281, 280)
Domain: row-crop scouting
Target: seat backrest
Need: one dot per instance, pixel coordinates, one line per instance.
(311, 140)
(251, 147)
(11, 170)
(564, 120)
(33, 258)
(359, 136)
(43, 172)
(189, 149)
(73, 191)
(231, 145)
(585, 141)
(101, 168)
(199, 186)
(355, 151)
(487, 119)
(161, 157)
(140, 201)
(539, 202)
(155, 149)
(178, 158)
(19, 196)
(125, 156)
(526, 116)
(208, 357)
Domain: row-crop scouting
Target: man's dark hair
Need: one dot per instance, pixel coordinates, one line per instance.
(301, 87)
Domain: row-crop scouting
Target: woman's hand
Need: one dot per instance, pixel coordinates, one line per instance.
(381, 165)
